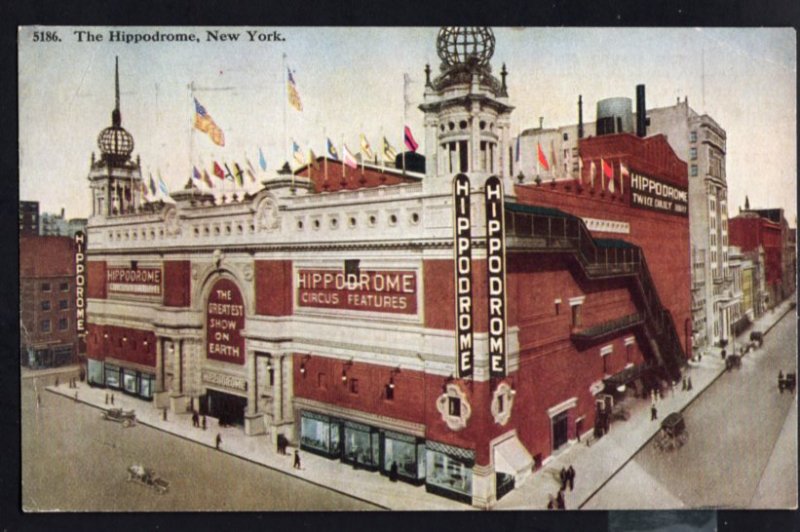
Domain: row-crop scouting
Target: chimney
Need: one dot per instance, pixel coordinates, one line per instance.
(580, 116)
(641, 112)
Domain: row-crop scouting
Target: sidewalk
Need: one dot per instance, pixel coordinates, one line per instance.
(594, 465)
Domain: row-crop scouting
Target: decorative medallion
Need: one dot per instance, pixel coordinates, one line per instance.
(502, 401)
(266, 217)
(453, 407)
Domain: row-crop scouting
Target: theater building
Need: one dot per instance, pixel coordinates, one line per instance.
(454, 327)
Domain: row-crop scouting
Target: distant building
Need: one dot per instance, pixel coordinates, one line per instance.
(28, 218)
(58, 225)
(768, 228)
(47, 301)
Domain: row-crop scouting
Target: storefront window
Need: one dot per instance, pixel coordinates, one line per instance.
(361, 444)
(449, 471)
(129, 380)
(315, 432)
(95, 372)
(112, 376)
(406, 453)
(146, 386)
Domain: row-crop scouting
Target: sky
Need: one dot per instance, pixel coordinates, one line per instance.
(350, 81)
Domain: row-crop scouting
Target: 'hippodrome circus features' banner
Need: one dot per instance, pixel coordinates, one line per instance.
(368, 290)
(496, 268)
(462, 255)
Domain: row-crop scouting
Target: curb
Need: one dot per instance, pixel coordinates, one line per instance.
(698, 394)
(230, 453)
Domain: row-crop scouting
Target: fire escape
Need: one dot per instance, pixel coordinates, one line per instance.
(545, 230)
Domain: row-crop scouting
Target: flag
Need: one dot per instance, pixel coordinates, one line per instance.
(389, 153)
(312, 159)
(365, 149)
(291, 90)
(542, 159)
(204, 122)
(348, 158)
(262, 161)
(298, 155)
(623, 174)
(251, 171)
(332, 151)
(195, 173)
(591, 173)
(553, 158)
(516, 157)
(218, 171)
(238, 174)
(163, 186)
(580, 168)
(207, 179)
(608, 174)
(411, 144)
(228, 173)
(152, 185)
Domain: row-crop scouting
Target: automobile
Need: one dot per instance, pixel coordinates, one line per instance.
(143, 475)
(126, 417)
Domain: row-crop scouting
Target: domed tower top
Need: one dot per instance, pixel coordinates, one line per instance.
(465, 45)
(116, 144)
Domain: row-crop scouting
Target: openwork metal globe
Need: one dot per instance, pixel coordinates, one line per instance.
(115, 143)
(458, 45)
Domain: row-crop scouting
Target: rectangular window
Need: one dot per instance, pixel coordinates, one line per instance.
(454, 406)
(463, 153)
(63, 287)
(45, 287)
(576, 315)
(354, 386)
(63, 304)
(693, 136)
(46, 305)
(694, 170)
(693, 154)
(63, 323)
(322, 381)
(390, 392)
(45, 326)
(628, 352)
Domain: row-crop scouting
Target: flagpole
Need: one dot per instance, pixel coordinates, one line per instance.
(285, 98)
(325, 155)
(405, 105)
(342, 156)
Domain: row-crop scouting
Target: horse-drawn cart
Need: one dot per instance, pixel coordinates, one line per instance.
(147, 477)
(673, 433)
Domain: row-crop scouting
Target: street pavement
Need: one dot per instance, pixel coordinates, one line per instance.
(597, 465)
(741, 452)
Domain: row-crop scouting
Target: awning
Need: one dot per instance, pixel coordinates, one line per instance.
(511, 457)
(626, 376)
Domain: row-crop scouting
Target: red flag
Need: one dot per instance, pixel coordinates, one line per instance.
(607, 170)
(411, 144)
(218, 171)
(542, 158)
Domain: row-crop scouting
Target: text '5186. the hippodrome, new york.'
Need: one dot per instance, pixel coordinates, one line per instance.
(160, 36)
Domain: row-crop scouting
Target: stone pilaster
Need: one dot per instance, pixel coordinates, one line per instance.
(484, 486)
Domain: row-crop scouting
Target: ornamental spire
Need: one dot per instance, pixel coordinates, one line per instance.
(116, 118)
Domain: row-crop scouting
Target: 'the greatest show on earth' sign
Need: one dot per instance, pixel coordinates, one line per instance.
(224, 323)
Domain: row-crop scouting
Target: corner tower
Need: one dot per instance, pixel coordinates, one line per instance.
(115, 179)
(467, 116)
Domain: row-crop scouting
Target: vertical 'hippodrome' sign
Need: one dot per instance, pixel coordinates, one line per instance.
(80, 283)
(462, 254)
(496, 268)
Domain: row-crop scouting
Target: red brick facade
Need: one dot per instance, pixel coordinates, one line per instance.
(274, 285)
(121, 343)
(177, 283)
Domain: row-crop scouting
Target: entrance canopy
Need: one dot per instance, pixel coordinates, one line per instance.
(511, 457)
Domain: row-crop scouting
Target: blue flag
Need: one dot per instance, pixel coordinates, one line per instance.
(152, 185)
(332, 150)
(163, 186)
(196, 173)
(262, 161)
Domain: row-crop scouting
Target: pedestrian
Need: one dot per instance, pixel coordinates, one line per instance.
(195, 419)
(562, 475)
(551, 503)
(571, 477)
(296, 459)
(204, 422)
(723, 353)
(112, 398)
(106, 398)
(38, 400)
(683, 383)
(653, 413)
(688, 384)
(56, 381)
(672, 385)
(661, 393)
(219, 440)
(560, 504)
(393, 472)
(164, 414)
(780, 381)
